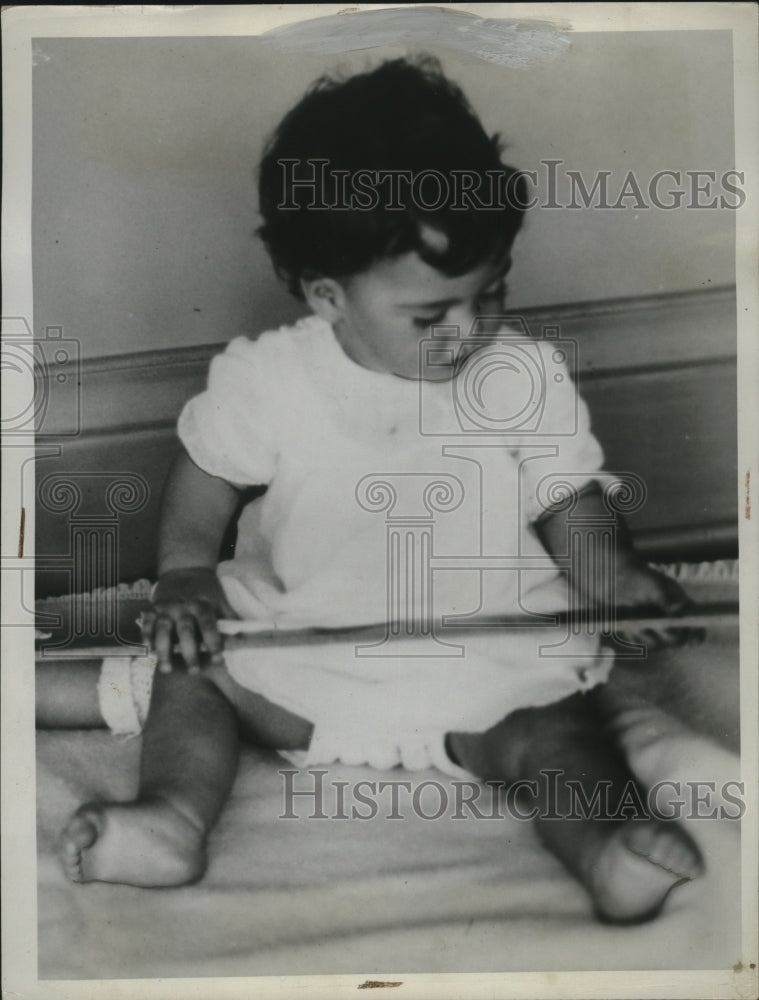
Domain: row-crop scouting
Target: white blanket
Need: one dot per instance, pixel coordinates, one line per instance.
(302, 895)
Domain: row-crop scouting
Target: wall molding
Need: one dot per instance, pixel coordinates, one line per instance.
(658, 375)
(656, 333)
(553, 314)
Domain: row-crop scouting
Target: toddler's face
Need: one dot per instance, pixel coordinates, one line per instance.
(386, 311)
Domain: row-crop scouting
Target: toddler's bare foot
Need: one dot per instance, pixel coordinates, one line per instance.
(639, 865)
(147, 843)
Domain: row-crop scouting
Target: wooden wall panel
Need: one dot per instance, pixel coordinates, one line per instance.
(658, 375)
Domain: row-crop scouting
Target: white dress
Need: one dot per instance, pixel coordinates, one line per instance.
(389, 500)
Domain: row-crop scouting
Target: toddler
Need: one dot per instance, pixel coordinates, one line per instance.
(355, 421)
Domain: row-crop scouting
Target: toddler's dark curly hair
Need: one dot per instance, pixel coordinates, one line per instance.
(405, 116)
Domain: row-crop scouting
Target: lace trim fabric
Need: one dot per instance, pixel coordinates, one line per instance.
(124, 689)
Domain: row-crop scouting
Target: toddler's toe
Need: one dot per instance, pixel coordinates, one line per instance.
(80, 833)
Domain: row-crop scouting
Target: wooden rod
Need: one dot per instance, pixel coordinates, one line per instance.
(244, 634)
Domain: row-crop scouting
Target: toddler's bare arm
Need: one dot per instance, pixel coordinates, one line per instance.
(188, 597)
(635, 583)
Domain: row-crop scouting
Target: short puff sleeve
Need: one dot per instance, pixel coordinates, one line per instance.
(564, 426)
(231, 429)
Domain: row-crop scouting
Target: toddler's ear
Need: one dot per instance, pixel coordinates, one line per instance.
(325, 297)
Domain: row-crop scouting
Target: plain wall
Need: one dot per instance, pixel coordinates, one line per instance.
(144, 203)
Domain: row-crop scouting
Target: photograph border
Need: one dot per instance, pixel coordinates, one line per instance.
(20, 26)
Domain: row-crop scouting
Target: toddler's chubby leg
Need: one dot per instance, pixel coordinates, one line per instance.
(187, 767)
(628, 865)
(66, 695)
